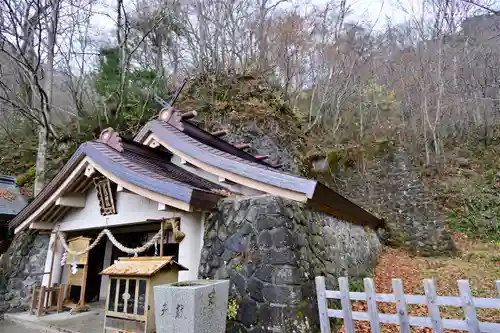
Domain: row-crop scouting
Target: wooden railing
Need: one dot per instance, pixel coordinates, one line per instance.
(465, 301)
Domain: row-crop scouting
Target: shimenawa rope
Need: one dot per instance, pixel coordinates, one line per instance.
(113, 240)
(178, 235)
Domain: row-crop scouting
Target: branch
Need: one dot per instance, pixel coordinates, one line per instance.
(491, 10)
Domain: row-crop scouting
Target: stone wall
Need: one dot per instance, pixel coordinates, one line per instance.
(18, 270)
(271, 249)
(390, 187)
(411, 213)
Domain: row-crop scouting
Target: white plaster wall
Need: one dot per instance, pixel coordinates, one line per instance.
(64, 275)
(190, 247)
(132, 210)
(247, 191)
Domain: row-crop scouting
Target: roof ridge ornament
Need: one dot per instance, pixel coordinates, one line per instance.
(111, 138)
(172, 117)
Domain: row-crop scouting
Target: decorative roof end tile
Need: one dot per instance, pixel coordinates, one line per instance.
(110, 137)
(172, 117)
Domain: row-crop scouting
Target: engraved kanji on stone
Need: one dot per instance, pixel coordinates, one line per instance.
(211, 297)
(178, 311)
(164, 309)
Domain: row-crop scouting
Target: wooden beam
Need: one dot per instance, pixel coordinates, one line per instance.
(42, 225)
(120, 188)
(188, 115)
(242, 145)
(162, 229)
(220, 133)
(76, 200)
(142, 191)
(162, 206)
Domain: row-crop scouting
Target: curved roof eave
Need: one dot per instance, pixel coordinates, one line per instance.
(318, 195)
(225, 161)
(170, 189)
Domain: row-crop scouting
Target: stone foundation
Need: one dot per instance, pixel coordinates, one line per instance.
(20, 269)
(271, 249)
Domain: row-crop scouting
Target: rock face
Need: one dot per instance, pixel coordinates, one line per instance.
(264, 142)
(271, 249)
(388, 186)
(19, 270)
(412, 216)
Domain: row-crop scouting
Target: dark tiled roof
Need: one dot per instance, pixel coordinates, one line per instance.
(138, 165)
(160, 164)
(205, 138)
(11, 199)
(215, 142)
(180, 137)
(225, 161)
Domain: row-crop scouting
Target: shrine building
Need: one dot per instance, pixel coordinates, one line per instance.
(171, 171)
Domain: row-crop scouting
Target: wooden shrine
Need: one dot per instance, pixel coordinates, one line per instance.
(130, 300)
(79, 279)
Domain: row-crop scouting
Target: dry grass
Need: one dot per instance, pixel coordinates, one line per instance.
(479, 263)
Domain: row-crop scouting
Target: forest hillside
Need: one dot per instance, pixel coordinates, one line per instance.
(322, 93)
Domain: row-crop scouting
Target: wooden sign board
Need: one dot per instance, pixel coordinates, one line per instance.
(78, 244)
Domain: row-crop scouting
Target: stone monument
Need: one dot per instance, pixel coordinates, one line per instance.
(191, 306)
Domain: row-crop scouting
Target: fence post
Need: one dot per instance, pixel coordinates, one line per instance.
(371, 297)
(346, 304)
(322, 304)
(401, 308)
(468, 306)
(498, 287)
(431, 296)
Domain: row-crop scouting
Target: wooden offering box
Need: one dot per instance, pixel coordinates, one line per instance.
(80, 278)
(130, 302)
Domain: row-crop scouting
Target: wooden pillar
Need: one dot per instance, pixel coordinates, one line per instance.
(54, 249)
(49, 261)
(107, 262)
(162, 231)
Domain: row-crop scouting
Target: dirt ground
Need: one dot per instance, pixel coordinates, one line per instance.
(478, 262)
(8, 327)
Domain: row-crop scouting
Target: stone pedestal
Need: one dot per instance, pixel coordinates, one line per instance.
(191, 306)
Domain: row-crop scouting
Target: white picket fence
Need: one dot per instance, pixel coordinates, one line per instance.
(465, 301)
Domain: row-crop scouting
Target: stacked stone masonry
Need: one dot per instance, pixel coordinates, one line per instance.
(21, 268)
(390, 187)
(271, 249)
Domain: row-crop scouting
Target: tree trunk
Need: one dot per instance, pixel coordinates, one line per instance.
(46, 101)
(41, 159)
(159, 68)
(202, 34)
(261, 37)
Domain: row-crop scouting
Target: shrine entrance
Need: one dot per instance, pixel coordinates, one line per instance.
(105, 254)
(96, 265)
